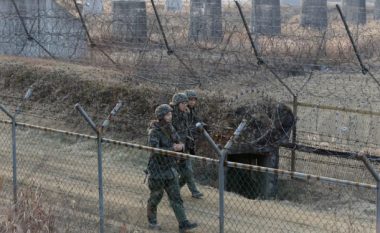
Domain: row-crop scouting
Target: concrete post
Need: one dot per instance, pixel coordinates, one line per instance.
(314, 14)
(206, 20)
(266, 17)
(49, 24)
(61, 33)
(377, 10)
(355, 11)
(129, 21)
(93, 7)
(174, 5)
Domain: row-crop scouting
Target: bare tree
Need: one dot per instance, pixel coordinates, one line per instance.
(314, 14)
(266, 17)
(355, 11)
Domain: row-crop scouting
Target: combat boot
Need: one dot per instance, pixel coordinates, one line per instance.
(185, 226)
(152, 219)
(197, 195)
(153, 225)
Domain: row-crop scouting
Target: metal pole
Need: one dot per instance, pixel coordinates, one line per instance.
(86, 117)
(221, 171)
(14, 148)
(79, 108)
(378, 207)
(260, 61)
(100, 180)
(364, 69)
(294, 134)
(14, 160)
(375, 175)
(169, 50)
(99, 131)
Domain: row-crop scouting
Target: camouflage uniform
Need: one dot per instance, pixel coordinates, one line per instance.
(163, 175)
(181, 124)
(193, 119)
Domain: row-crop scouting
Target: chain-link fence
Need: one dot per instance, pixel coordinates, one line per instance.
(63, 166)
(310, 66)
(300, 56)
(198, 43)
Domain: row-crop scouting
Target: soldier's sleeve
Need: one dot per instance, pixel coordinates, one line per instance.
(154, 140)
(197, 118)
(175, 122)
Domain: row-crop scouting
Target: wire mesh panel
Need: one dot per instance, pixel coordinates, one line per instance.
(65, 169)
(6, 187)
(326, 165)
(125, 189)
(299, 206)
(291, 71)
(127, 193)
(41, 28)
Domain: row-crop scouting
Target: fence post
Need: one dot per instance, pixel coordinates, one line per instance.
(222, 157)
(14, 160)
(294, 134)
(14, 148)
(99, 132)
(100, 164)
(375, 175)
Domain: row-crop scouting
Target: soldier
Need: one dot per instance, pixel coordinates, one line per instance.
(181, 124)
(162, 172)
(193, 117)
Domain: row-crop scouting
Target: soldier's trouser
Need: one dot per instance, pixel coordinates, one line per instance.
(157, 187)
(186, 176)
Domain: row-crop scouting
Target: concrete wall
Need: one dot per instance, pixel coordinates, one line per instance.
(266, 17)
(377, 10)
(355, 11)
(173, 5)
(129, 21)
(205, 20)
(59, 32)
(93, 7)
(314, 14)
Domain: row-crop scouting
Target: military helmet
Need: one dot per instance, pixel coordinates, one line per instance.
(179, 98)
(191, 94)
(162, 110)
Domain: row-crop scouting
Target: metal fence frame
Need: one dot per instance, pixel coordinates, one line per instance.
(222, 165)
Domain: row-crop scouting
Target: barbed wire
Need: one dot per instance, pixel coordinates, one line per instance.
(299, 44)
(317, 63)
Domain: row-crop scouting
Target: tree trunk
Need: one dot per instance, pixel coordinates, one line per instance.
(355, 11)
(266, 17)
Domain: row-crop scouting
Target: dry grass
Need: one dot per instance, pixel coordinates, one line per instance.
(30, 214)
(66, 172)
